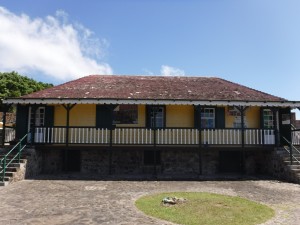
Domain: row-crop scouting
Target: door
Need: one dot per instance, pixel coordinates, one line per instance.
(268, 126)
(36, 120)
(156, 116)
(285, 124)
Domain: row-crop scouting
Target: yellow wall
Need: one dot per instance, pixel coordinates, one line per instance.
(80, 115)
(180, 116)
(176, 116)
(252, 117)
(85, 115)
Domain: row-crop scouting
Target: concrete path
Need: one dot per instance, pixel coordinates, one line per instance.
(58, 201)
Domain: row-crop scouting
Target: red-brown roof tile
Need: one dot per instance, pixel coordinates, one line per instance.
(153, 87)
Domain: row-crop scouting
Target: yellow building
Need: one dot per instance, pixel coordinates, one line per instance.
(150, 114)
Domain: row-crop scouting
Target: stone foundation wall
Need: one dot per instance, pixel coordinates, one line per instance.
(95, 161)
(31, 167)
(179, 162)
(183, 161)
(34, 163)
(279, 170)
(52, 160)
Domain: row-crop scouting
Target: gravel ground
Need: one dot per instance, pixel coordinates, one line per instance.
(53, 200)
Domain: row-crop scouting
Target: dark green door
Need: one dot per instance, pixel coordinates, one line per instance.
(285, 124)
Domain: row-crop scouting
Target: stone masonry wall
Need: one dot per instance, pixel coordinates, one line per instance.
(179, 162)
(279, 170)
(183, 161)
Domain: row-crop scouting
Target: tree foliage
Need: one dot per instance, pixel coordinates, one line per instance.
(13, 84)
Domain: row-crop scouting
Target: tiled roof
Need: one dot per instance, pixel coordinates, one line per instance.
(153, 87)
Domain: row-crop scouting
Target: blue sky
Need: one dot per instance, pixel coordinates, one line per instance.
(255, 43)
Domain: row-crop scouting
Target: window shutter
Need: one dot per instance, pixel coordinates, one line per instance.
(148, 116)
(220, 117)
(49, 116)
(197, 117)
(104, 116)
(262, 118)
(21, 121)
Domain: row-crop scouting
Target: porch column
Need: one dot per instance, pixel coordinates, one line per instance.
(68, 108)
(276, 133)
(155, 109)
(242, 110)
(197, 118)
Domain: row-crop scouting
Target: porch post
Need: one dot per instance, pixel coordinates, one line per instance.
(111, 128)
(200, 141)
(275, 110)
(154, 139)
(68, 108)
(242, 110)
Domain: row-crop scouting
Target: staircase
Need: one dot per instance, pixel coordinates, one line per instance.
(292, 167)
(12, 163)
(13, 171)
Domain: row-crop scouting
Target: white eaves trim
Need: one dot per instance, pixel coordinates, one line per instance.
(292, 104)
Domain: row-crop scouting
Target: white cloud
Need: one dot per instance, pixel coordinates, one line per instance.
(171, 71)
(50, 45)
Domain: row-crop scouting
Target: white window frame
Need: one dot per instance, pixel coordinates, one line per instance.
(268, 119)
(208, 114)
(160, 116)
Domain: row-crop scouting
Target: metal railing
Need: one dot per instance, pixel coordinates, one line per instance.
(12, 156)
(148, 136)
(295, 135)
(290, 149)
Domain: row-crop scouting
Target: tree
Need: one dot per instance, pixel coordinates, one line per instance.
(15, 85)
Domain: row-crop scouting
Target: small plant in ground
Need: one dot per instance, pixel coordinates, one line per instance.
(205, 209)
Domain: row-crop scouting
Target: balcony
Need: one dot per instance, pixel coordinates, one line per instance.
(146, 136)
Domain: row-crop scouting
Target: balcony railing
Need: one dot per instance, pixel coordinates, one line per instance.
(146, 136)
(296, 137)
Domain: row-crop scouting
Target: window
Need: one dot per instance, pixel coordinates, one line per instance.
(232, 111)
(125, 114)
(39, 118)
(150, 156)
(268, 119)
(208, 118)
(159, 120)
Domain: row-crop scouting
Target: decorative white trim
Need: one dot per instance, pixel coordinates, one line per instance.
(292, 104)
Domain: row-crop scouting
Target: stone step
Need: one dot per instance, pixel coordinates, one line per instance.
(6, 179)
(297, 166)
(286, 158)
(5, 183)
(16, 165)
(9, 174)
(15, 169)
(288, 162)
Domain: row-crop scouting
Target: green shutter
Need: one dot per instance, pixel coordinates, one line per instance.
(262, 118)
(220, 117)
(22, 121)
(197, 114)
(49, 116)
(104, 116)
(148, 116)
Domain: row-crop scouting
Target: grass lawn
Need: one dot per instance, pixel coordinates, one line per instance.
(205, 209)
